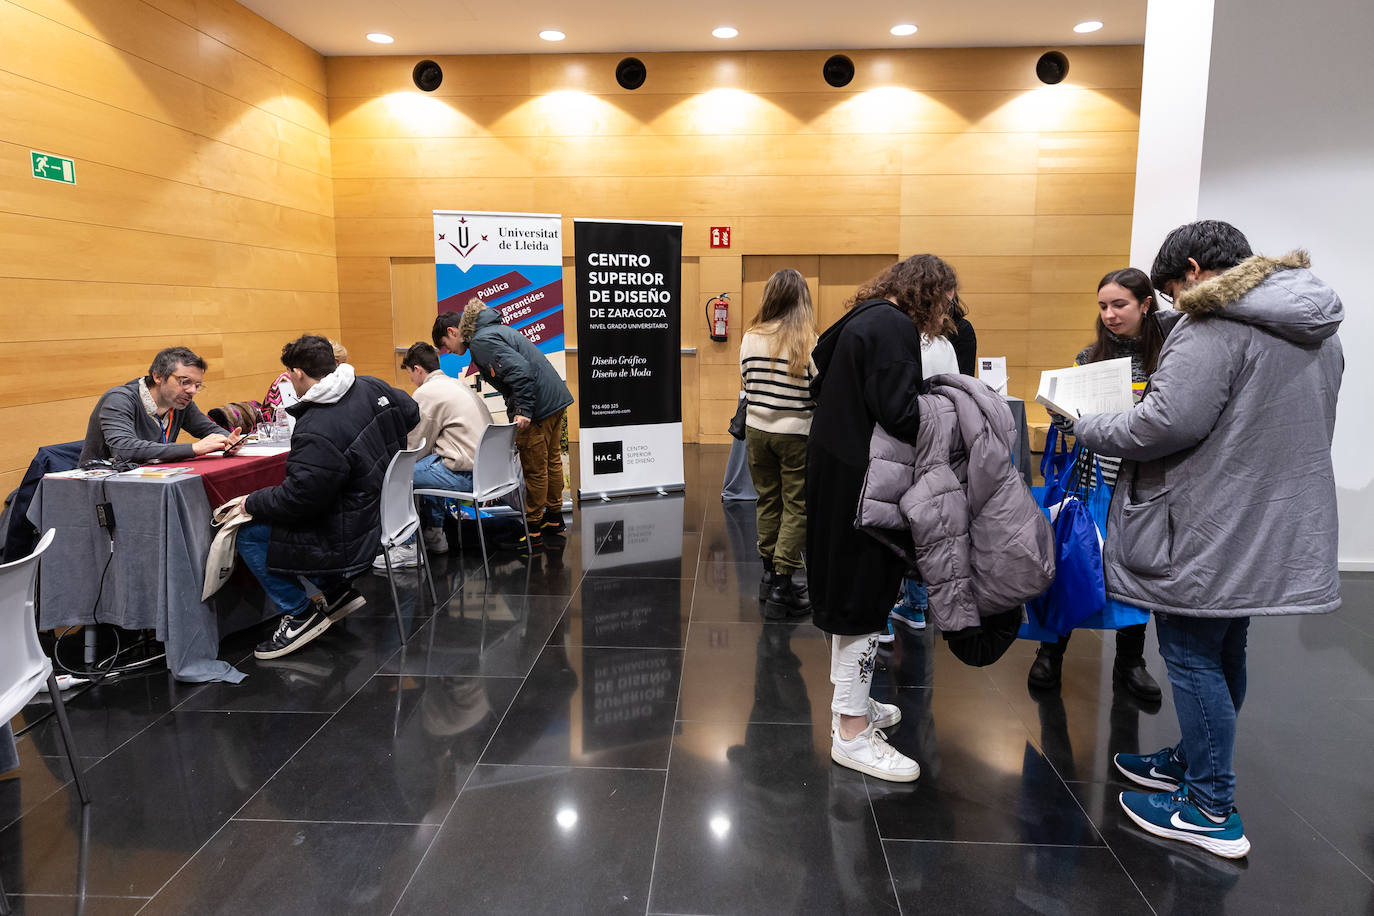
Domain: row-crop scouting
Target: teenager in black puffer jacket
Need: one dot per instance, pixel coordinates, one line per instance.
(324, 520)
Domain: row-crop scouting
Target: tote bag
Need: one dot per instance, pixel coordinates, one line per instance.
(1112, 614)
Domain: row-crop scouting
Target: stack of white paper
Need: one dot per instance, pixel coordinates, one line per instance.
(1103, 387)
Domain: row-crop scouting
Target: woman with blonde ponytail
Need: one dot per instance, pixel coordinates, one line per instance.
(776, 369)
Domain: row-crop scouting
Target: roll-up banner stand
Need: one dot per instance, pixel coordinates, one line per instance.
(512, 262)
(629, 369)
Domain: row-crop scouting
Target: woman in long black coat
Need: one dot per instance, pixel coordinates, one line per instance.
(869, 366)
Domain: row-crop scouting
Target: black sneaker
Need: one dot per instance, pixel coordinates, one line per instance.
(294, 631)
(553, 522)
(341, 601)
(522, 544)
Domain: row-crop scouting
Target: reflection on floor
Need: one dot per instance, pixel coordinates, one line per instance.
(614, 728)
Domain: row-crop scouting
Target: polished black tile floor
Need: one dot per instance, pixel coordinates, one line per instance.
(613, 728)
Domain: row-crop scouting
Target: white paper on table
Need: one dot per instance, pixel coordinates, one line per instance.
(263, 449)
(1103, 387)
(993, 371)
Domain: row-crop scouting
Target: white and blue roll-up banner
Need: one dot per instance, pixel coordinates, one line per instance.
(629, 339)
(513, 262)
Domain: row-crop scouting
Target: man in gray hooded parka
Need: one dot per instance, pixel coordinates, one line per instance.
(1226, 507)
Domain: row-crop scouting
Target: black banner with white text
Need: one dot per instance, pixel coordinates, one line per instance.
(629, 326)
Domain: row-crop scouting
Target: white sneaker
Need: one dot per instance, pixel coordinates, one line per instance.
(435, 541)
(868, 752)
(402, 557)
(880, 715)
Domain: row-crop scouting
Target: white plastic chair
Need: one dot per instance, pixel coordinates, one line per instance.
(400, 521)
(23, 666)
(496, 471)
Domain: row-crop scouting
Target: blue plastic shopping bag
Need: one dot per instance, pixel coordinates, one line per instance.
(1047, 616)
(1078, 590)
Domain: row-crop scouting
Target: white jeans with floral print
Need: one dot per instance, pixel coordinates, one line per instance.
(851, 671)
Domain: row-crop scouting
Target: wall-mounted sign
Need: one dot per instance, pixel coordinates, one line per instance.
(720, 236)
(52, 168)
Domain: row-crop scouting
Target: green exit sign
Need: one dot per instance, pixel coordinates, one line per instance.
(52, 168)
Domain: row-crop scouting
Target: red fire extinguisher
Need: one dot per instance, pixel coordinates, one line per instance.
(718, 317)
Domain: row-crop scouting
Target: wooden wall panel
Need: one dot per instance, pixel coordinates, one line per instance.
(202, 213)
(1025, 189)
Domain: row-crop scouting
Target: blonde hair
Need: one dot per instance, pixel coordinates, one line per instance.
(467, 325)
(340, 351)
(786, 316)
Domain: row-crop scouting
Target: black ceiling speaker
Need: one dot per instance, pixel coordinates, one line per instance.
(838, 70)
(630, 73)
(427, 76)
(1052, 67)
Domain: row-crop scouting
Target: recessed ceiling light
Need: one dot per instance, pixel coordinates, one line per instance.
(1092, 25)
(552, 35)
(381, 38)
(725, 31)
(903, 30)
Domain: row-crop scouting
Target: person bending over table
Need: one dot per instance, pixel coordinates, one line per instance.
(324, 521)
(140, 420)
(536, 400)
(452, 420)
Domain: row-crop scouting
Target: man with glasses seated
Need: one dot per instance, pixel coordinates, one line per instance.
(140, 421)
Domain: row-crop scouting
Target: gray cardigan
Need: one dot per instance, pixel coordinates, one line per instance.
(1227, 506)
(120, 429)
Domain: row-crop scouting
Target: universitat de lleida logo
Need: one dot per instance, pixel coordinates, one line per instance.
(462, 239)
(608, 457)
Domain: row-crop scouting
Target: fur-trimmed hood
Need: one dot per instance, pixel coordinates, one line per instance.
(1278, 294)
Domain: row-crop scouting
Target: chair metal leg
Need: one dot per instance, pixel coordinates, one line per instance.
(60, 708)
(424, 561)
(395, 598)
(482, 540)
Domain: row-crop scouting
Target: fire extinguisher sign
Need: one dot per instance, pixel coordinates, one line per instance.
(720, 236)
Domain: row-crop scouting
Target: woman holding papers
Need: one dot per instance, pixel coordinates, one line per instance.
(1129, 324)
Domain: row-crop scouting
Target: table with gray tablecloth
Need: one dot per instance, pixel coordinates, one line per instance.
(1022, 454)
(150, 578)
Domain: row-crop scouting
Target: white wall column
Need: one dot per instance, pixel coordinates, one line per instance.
(1173, 108)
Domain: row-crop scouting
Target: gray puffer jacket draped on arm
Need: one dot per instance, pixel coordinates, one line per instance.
(955, 507)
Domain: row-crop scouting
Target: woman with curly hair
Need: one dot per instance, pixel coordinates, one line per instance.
(869, 372)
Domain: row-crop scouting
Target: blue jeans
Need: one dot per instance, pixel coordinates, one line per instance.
(286, 592)
(1206, 661)
(432, 474)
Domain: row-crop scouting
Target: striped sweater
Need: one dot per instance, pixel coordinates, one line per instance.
(779, 402)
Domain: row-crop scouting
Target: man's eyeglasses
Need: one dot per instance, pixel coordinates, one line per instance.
(188, 384)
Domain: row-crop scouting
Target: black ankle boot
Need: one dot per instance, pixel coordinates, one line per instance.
(1136, 678)
(1046, 670)
(785, 599)
(766, 583)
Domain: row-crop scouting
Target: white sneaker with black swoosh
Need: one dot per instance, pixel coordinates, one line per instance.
(293, 631)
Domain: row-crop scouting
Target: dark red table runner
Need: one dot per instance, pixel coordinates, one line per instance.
(225, 478)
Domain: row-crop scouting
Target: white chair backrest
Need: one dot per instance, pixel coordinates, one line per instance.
(21, 657)
(398, 506)
(496, 464)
